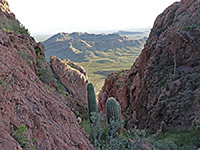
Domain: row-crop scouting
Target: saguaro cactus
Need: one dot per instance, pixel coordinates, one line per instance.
(163, 127)
(113, 109)
(91, 96)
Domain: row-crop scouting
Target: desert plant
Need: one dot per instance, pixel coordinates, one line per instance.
(179, 138)
(198, 128)
(104, 136)
(44, 71)
(163, 127)
(113, 109)
(9, 25)
(91, 96)
(5, 82)
(61, 89)
(24, 56)
(45, 75)
(23, 138)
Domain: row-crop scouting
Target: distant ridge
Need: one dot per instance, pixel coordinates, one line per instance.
(82, 47)
(127, 33)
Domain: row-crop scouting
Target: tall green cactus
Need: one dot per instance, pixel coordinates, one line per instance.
(163, 127)
(92, 102)
(113, 109)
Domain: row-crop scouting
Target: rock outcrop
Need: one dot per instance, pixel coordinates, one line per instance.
(5, 10)
(72, 76)
(26, 101)
(163, 84)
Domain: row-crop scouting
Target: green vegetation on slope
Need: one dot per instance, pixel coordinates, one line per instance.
(105, 136)
(13, 25)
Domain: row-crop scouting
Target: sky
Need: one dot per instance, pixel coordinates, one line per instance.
(48, 16)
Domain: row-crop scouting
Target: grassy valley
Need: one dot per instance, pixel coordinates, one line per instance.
(97, 72)
(99, 54)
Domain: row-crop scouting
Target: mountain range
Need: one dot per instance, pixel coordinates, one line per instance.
(84, 47)
(99, 54)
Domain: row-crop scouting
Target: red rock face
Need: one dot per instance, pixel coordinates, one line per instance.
(25, 100)
(72, 76)
(163, 84)
(5, 10)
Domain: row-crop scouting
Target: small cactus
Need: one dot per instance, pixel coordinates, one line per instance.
(198, 128)
(113, 109)
(163, 127)
(91, 96)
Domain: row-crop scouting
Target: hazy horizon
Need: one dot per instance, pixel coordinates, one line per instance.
(44, 36)
(50, 17)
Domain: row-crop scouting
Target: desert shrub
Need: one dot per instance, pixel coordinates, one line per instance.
(61, 89)
(37, 50)
(40, 61)
(44, 71)
(176, 139)
(170, 22)
(165, 144)
(5, 83)
(22, 136)
(106, 136)
(189, 27)
(45, 75)
(24, 56)
(9, 25)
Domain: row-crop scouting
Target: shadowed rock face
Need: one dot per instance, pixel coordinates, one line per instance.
(25, 100)
(72, 76)
(163, 84)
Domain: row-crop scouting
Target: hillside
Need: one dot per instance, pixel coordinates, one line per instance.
(163, 84)
(84, 47)
(99, 54)
(36, 111)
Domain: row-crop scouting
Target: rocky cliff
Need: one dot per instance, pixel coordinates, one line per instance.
(5, 10)
(27, 101)
(163, 84)
(72, 76)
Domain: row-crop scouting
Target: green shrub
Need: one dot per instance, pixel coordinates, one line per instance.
(9, 25)
(60, 89)
(176, 139)
(189, 27)
(40, 61)
(37, 50)
(44, 72)
(104, 136)
(45, 75)
(24, 56)
(165, 144)
(23, 138)
(170, 22)
(5, 83)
